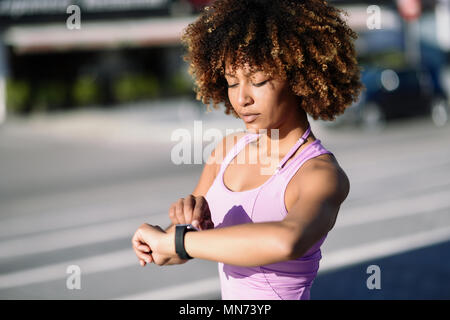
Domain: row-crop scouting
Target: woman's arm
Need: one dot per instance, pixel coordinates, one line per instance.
(251, 244)
(321, 190)
(310, 218)
(246, 244)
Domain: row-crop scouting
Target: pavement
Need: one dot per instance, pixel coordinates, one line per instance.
(75, 185)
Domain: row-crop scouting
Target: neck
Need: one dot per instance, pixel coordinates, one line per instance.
(289, 133)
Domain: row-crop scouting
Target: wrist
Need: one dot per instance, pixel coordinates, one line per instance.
(170, 228)
(166, 245)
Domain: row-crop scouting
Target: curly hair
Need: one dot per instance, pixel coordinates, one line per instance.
(306, 43)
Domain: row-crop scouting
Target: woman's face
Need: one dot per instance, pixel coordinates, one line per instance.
(260, 101)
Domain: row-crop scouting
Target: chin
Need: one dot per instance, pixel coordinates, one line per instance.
(256, 126)
(252, 127)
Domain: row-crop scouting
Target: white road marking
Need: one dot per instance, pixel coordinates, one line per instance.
(64, 239)
(99, 263)
(407, 206)
(381, 249)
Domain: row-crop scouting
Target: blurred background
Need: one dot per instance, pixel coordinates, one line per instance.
(90, 97)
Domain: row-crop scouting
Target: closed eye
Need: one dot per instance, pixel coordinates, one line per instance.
(260, 84)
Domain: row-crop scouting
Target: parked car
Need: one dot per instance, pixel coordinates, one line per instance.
(392, 94)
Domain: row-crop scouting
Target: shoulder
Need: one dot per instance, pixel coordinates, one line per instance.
(323, 177)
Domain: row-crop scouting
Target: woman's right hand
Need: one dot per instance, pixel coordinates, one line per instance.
(193, 210)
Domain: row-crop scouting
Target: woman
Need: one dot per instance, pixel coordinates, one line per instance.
(270, 63)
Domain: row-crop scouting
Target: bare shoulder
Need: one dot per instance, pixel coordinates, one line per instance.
(212, 166)
(323, 176)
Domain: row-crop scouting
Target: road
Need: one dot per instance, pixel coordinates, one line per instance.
(74, 188)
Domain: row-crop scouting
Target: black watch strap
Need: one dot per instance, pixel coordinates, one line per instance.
(180, 231)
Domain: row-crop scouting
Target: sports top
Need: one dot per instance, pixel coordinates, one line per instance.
(290, 280)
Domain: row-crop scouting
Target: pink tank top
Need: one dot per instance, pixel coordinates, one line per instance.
(289, 280)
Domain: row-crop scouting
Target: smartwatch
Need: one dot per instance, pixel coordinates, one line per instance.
(180, 231)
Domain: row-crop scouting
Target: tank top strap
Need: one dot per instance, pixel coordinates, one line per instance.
(242, 142)
(312, 150)
(294, 148)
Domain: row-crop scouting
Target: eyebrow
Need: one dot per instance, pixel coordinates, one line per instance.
(246, 74)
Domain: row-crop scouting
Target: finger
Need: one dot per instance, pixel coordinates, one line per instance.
(147, 258)
(143, 256)
(139, 247)
(207, 224)
(172, 214)
(142, 262)
(143, 248)
(196, 224)
(137, 240)
(197, 214)
(136, 243)
(179, 211)
(188, 208)
(204, 214)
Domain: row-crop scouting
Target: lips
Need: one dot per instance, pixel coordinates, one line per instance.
(250, 117)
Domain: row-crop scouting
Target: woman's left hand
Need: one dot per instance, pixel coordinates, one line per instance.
(153, 244)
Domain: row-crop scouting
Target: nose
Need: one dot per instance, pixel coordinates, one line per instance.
(244, 96)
